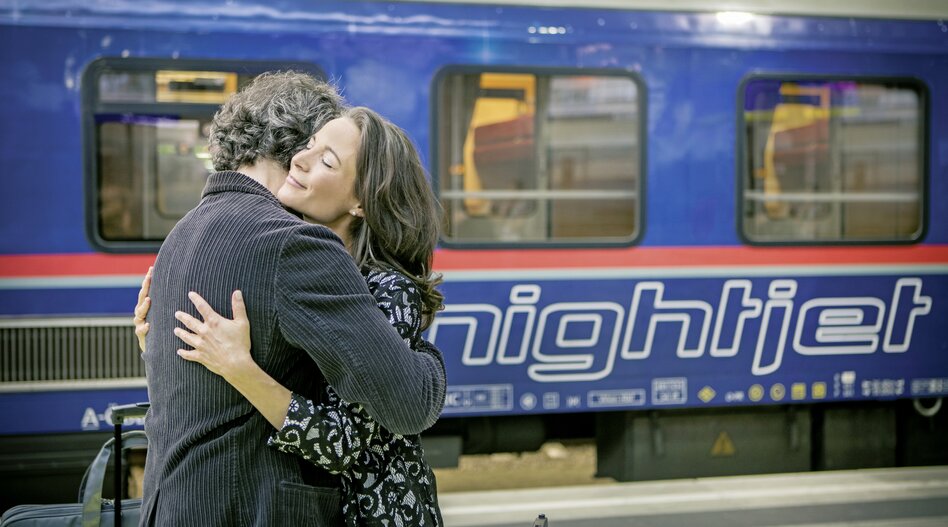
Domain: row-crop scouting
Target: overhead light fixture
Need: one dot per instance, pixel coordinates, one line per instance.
(734, 18)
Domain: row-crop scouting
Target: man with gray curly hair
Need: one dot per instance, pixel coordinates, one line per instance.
(272, 118)
(311, 316)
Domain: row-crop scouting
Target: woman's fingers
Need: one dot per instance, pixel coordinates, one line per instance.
(189, 338)
(146, 286)
(144, 301)
(190, 322)
(190, 355)
(203, 307)
(237, 304)
(141, 310)
(141, 330)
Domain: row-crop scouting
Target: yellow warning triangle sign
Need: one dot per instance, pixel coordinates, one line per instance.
(723, 446)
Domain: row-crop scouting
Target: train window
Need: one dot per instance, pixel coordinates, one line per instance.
(146, 129)
(526, 157)
(832, 161)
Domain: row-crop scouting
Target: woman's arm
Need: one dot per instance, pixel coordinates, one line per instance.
(222, 345)
(330, 435)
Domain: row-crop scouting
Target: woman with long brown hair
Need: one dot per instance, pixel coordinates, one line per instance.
(360, 176)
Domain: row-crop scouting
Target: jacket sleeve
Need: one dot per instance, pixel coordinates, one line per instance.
(331, 435)
(323, 307)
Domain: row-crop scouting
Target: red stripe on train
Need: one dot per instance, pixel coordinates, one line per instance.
(46, 265)
(49, 265)
(455, 259)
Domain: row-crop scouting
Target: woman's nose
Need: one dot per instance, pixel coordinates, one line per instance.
(300, 161)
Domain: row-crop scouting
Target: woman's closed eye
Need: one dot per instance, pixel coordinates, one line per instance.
(326, 161)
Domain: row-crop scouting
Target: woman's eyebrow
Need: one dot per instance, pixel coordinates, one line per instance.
(329, 148)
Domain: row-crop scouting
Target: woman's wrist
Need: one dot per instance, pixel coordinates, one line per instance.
(267, 395)
(241, 370)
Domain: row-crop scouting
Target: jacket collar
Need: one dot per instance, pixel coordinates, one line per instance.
(230, 181)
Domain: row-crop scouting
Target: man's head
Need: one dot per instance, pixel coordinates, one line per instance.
(272, 118)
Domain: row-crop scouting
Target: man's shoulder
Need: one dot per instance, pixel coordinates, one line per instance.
(302, 236)
(243, 222)
(314, 254)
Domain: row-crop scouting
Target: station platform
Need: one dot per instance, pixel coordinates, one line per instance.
(901, 497)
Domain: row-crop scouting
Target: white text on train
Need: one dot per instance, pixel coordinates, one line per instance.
(824, 326)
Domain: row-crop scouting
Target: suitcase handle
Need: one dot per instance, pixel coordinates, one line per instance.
(90, 490)
(120, 413)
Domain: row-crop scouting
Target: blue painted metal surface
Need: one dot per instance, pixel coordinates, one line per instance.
(57, 412)
(385, 56)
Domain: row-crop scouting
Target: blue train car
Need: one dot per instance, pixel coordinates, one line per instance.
(649, 213)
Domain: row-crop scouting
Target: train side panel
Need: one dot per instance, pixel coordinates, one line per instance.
(687, 312)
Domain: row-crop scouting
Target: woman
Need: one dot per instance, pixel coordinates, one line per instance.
(360, 176)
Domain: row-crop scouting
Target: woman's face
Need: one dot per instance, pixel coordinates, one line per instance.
(322, 176)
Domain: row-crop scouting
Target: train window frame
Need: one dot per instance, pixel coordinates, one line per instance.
(93, 105)
(641, 130)
(923, 137)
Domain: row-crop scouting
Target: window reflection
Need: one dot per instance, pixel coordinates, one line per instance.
(152, 172)
(832, 161)
(147, 123)
(527, 158)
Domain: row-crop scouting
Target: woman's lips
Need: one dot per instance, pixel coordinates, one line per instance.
(293, 182)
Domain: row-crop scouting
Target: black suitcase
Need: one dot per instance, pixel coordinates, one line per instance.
(92, 510)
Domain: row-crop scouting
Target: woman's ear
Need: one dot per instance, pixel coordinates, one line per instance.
(357, 211)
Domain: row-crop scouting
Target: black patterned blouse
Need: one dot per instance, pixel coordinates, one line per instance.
(385, 479)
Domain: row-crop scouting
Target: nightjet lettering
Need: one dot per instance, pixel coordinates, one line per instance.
(581, 341)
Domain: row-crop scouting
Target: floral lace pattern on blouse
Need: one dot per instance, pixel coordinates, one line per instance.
(385, 479)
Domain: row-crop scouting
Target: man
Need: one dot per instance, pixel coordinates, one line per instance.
(208, 463)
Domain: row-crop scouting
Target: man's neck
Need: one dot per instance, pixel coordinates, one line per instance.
(267, 172)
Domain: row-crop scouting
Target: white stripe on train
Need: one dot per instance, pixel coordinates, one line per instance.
(485, 275)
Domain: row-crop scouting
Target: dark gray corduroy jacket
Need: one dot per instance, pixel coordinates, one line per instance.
(208, 463)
